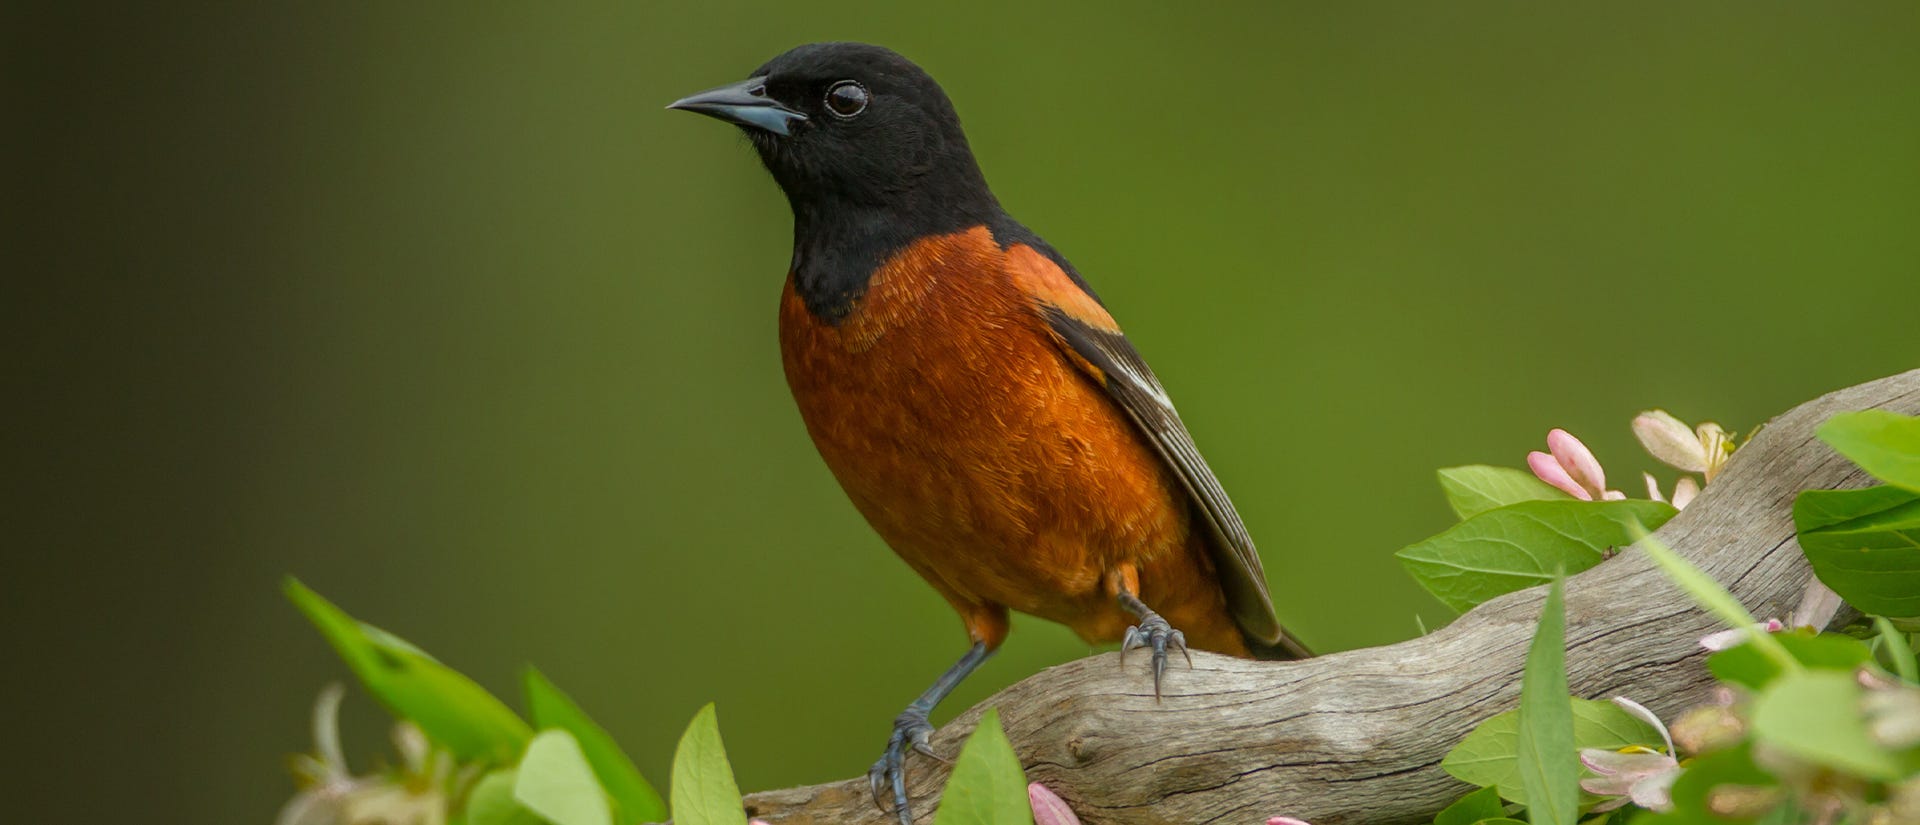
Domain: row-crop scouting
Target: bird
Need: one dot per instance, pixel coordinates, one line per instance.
(973, 396)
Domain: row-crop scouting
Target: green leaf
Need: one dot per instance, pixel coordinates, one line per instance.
(1477, 488)
(1479, 806)
(1898, 650)
(1549, 763)
(1521, 545)
(1747, 665)
(1486, 757)
(1501, 821)
(1865, 544)
(453, 711)
(1830, 509)
(557, 783)
(988, 786)
(1710, 595)
(634, 799)
(1816, 716)
(491, 802)
(1727, 767)
(704, 792)
(1885, 444)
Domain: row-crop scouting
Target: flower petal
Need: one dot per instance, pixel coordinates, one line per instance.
(1723, 639)
(1625, 765)
(1817, 606)
(1579, 461)
(1601, 761)
(1670, 440)
(1734, 637)
(1048, 807)
(1655, 793)
(1641, 713)
(1550, 471)
(1683, 492)
(1608, 786)
(1286, 820)
(1653, 487)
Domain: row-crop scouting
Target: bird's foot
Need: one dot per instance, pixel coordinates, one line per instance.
(911, 730)
(1154, 632)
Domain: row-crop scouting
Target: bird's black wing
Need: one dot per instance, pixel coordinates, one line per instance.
(1099, 347)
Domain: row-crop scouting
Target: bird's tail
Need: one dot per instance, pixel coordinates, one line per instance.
(1287, 648)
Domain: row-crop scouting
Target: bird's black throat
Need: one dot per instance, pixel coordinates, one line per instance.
(839, 244)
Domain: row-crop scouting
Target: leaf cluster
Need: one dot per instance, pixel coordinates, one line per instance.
(1809, 727)
(1517, 532)
(556, 766)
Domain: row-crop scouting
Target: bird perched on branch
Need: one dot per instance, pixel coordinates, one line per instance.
(973, 396)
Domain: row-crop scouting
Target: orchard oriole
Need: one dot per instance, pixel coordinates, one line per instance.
(972, 395)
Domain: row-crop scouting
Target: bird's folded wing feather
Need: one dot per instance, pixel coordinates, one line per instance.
(1096, 345)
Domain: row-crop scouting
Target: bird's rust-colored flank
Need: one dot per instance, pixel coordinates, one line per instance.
(986, 452)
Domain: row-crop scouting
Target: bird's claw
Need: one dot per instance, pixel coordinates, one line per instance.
(911, 731)
(1154, 632)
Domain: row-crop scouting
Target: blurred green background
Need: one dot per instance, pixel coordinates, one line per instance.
(433, 306)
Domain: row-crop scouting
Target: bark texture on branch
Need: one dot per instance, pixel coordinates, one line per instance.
(1358, 736)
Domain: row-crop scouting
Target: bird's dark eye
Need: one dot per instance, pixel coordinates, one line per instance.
(846, 98)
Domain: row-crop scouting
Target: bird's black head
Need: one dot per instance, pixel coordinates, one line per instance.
(849, 127)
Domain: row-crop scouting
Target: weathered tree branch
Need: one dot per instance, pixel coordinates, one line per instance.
(1358, 736)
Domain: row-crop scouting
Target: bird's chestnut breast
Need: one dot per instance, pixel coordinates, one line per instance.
(958, 428)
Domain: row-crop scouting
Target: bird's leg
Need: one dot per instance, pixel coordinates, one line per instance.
(1152, 632)
(911, 729)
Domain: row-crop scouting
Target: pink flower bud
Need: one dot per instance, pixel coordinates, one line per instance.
(1550, 471)
(1578, 460)
(1286, 820)
(1048, 807)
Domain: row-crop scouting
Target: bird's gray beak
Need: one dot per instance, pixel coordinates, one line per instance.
(745, 103)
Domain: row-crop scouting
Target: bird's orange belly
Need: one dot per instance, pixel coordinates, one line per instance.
(997, 470)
